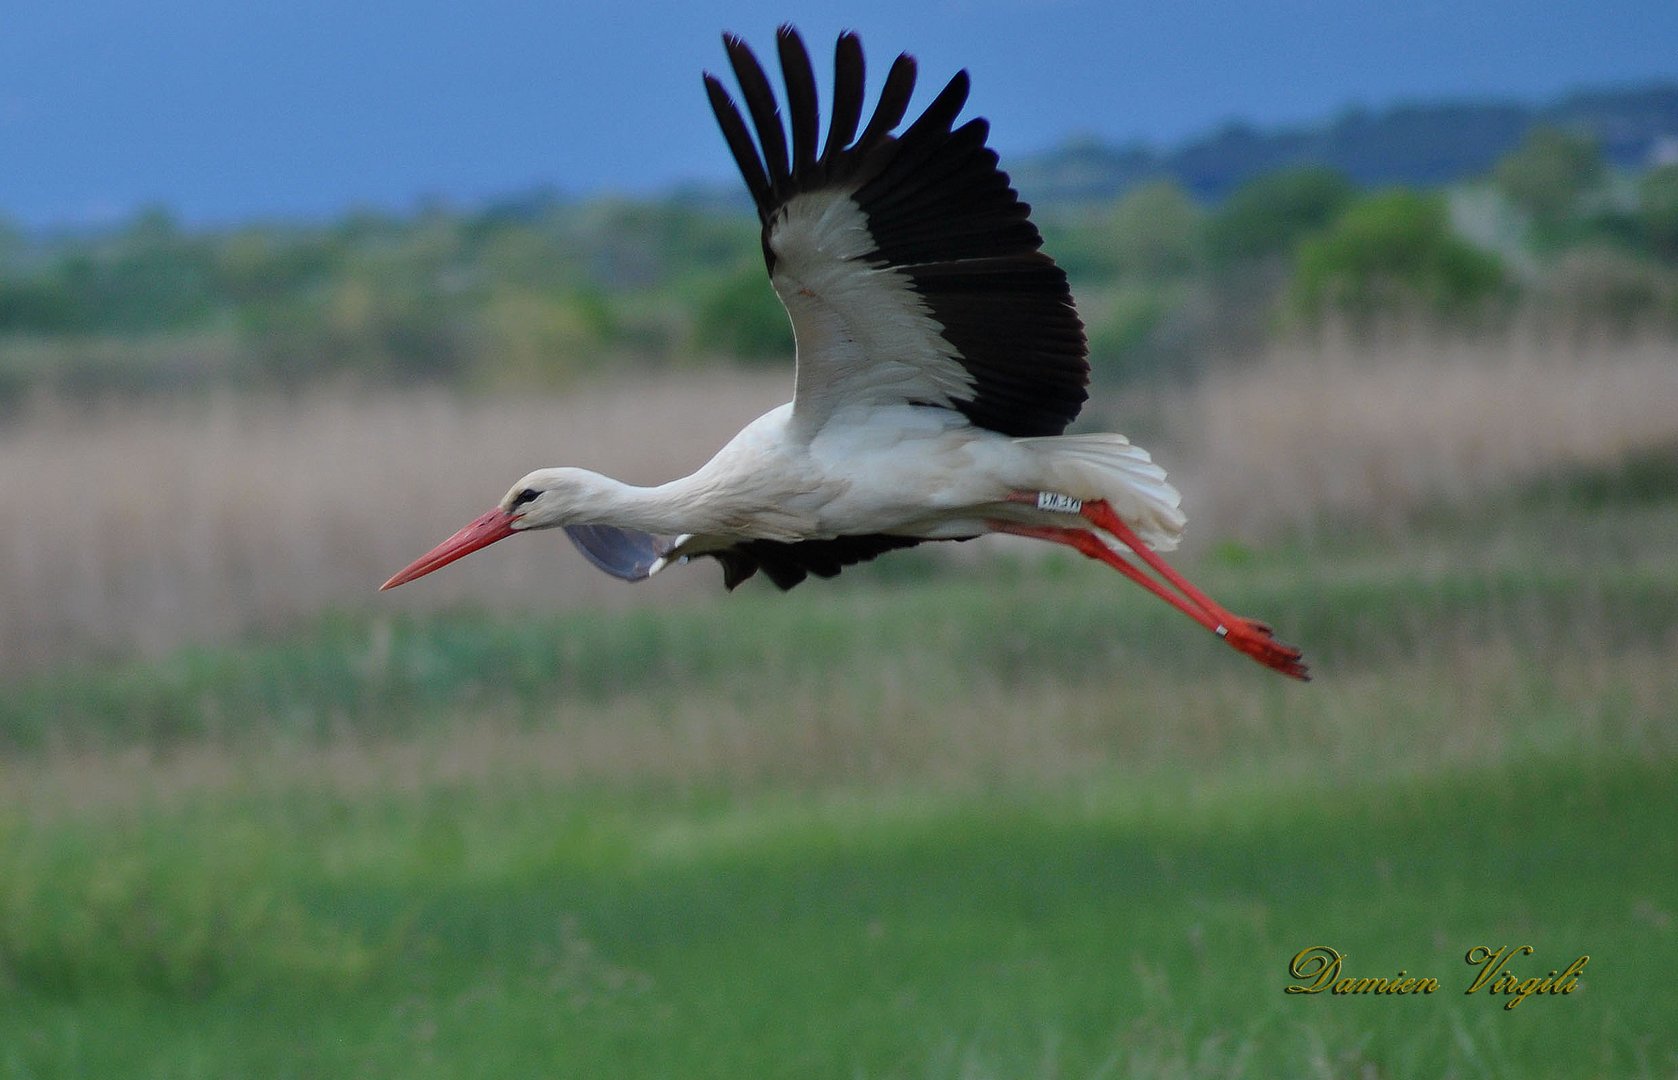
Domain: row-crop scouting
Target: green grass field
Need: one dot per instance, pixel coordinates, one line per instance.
(1009, 821)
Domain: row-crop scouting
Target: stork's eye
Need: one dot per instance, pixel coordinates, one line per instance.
(527, 495)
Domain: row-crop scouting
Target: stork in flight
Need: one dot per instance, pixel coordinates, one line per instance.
(939, 360)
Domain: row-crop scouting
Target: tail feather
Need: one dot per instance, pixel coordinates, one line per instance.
(1111, 467)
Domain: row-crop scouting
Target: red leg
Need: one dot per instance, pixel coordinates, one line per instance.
(1246, 635)
(1090, 544)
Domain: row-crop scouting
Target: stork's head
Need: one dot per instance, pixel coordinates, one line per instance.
(542, 500)
(550, 497)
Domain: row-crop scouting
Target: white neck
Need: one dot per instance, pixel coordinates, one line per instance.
(693, 504)
(680, 506)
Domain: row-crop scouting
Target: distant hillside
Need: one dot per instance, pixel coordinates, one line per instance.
(1422, 144)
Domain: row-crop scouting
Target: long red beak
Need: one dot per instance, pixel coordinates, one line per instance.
(494, 525)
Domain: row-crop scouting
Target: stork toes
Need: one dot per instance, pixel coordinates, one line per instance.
(1255, 639)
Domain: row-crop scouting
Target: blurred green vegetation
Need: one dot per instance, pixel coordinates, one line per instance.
(1388, 250)
(1657, 210)
(1267, 217)
(737, 316)
(1140, 928)
(1549, 175)
(538, 291)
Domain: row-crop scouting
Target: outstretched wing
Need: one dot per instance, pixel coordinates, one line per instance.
(908, 264)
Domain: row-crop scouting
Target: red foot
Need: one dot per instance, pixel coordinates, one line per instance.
(1256, 640)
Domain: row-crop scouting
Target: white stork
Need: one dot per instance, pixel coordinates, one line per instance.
(939, 359)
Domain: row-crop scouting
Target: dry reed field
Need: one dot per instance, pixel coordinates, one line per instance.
(1377, 432)
(134, 529)
(153, 525)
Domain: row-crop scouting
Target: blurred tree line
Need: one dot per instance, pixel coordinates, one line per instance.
(537, 291)
(1167, 284)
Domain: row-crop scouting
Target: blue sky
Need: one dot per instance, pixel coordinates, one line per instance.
(231, 111)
